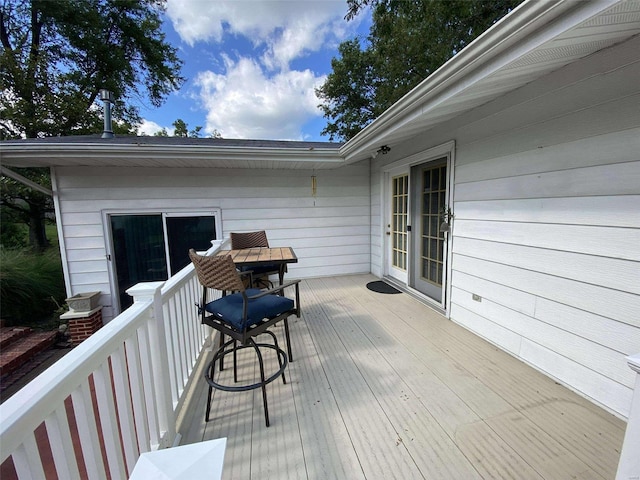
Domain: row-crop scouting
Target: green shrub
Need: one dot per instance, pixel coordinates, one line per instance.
(14, 235)
(31, 286)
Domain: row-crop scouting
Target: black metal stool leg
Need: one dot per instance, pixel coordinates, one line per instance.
(209, 395)
(235, 361)
(277, 349)
(262, 381)
(220, 345)
(288, 338)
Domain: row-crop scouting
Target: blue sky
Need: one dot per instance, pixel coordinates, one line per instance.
(252, 65)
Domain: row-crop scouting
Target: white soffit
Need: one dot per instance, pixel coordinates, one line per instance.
(547, 36)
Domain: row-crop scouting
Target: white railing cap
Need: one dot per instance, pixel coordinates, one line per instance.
(144, 290)
(634, 362)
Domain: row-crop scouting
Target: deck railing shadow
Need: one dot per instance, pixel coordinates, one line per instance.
(113, 397)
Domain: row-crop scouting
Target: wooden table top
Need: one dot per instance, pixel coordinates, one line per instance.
(258, 255)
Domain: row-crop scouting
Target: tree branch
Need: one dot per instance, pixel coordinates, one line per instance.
(4, 35)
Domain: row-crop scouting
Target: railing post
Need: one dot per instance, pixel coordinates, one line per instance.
(159, 358)
(629, 465)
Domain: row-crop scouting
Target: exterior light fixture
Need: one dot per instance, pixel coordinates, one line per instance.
(447, 216)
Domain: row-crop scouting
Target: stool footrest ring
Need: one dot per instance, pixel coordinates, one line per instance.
(222, 352)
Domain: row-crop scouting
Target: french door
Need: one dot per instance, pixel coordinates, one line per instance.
(428, 239)
(416, 242)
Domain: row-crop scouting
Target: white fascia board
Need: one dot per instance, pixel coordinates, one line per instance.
(20, 154)
(527, 27)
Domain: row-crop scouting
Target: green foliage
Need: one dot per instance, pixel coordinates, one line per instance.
(31, 285)
(349, 91)
(181, 129)
(22, 204)
(408, 40)
(13, 235)
(57, 55)
(161, 133)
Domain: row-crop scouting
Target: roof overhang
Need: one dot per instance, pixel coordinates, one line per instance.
(536, 38)
(533, 40)
(111, 153)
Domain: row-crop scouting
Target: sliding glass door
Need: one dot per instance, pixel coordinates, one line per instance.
(150, 247)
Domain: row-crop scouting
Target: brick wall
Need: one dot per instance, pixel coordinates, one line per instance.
(83, 327)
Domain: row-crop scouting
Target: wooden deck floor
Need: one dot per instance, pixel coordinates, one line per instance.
(383, 387)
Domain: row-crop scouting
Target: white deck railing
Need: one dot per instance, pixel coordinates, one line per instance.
(114, 396)
(629, 465)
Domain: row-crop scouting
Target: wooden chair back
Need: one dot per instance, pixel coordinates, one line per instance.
(242, 240)
(218, 272)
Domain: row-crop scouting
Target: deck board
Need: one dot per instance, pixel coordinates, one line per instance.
(383, 386)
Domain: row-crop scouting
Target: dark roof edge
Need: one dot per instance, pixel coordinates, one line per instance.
(151, 141)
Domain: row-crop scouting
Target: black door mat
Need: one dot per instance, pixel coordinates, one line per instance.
(382, 287)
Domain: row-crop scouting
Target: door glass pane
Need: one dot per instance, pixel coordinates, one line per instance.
(400, 193)
(432, 241)
(435, 179)
(434, 225)
(433, 204)
(426, 183)
(138, 250)
(184, 233)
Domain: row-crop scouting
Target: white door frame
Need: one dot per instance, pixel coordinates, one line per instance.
(388, 171)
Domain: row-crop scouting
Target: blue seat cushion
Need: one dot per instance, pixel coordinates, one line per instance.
(229, 308)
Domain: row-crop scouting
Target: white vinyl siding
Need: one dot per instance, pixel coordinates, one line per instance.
(330, 232)
(565, 242)
(547, 227)
(547, 222)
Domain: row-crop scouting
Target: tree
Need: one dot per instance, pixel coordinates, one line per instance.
(349, 91)
(22, 204)
(408, 40)
(181, 129)
(57, 55)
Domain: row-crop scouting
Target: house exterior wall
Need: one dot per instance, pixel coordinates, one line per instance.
(330, 232)
(547, 222)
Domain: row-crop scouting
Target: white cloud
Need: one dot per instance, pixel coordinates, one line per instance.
(286, 29)
(244, 103)
(202, 20)
(149, 127)
(260, 97)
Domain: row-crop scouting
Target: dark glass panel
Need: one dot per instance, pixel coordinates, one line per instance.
(426, 181)
(433, 271)
(434, 225)
(188, 232)
(139, 253)
(435, 179)
(433, 204)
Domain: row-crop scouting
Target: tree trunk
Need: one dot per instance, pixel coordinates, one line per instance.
(37, 233)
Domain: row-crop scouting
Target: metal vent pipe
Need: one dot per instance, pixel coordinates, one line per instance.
(107, 98)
